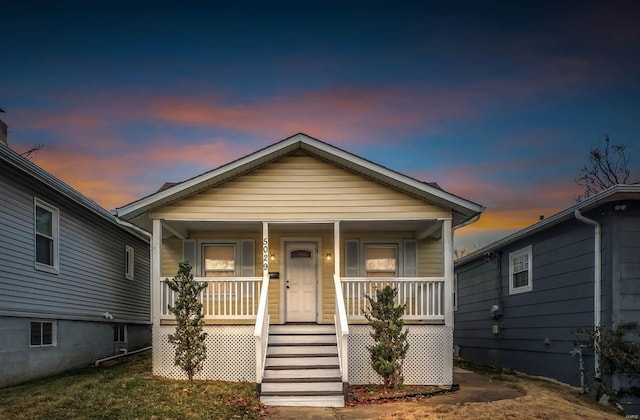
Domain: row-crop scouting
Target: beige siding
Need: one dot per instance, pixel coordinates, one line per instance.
(300, 187)
(170, 257)
(430, 258)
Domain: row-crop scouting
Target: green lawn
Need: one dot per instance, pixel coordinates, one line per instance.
(127, 390)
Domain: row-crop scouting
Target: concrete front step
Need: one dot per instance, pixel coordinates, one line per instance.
(302, 367)
(303, 400)
(291, 388)
(295, 373)
(302, 339)
(301, 350)
(331, 360)
(293, 329)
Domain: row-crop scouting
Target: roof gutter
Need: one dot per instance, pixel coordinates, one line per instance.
(597, 275)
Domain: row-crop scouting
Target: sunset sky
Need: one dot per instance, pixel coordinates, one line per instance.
(498, 102)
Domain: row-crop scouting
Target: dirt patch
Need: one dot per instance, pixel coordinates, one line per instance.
(481, 396)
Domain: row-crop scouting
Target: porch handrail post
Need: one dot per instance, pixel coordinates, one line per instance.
(261, 331)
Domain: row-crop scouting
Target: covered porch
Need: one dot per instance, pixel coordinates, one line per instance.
(343, 261)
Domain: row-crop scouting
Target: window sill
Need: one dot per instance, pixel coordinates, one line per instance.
(47, 268)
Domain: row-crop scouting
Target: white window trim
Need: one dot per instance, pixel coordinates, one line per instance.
(239, 263)
(55, 216)
(528, 252)
(129, 262)
(391, 244)
(54, 333)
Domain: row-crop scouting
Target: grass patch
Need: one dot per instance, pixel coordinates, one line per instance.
(128, 390)
(493, 372)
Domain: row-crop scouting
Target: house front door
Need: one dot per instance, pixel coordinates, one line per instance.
(301, 279)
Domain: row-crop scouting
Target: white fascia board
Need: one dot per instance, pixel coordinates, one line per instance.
(591, 202)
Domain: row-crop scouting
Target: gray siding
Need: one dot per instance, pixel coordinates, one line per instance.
(91, 281)
(536, 328)
(91, 278)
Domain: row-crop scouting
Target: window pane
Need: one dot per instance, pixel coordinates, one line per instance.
(219, 258)
(44, 250)
(220, 274)
(380, 258)
(35, 334)
(521, 279)
(47, 333)
(44, 222)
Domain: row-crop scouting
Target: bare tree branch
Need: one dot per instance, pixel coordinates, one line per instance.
(608, 165)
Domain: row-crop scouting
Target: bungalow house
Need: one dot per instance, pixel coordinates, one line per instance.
(523, 300)
(74, 284)
(289, 240)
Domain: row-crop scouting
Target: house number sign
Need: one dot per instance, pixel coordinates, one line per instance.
(265, 254)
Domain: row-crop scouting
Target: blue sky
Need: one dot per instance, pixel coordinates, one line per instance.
(498, 102)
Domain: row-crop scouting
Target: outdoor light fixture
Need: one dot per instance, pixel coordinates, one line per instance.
(273, 257)
(328, 256)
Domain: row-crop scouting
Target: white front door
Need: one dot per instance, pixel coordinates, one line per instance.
(301, 281)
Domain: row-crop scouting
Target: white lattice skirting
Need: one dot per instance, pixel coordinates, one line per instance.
(231, 354)
(429, 360)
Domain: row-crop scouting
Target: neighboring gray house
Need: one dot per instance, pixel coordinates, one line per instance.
(521, 299)
(74, 284)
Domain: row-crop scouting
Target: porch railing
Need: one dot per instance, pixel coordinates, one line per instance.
(423, 296)
(223, 298)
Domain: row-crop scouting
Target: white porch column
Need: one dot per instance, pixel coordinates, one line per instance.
(447, 235)
(156, 249)
(265, 249)
(336, 248)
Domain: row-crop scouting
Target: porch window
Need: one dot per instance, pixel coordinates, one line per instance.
(381, 260)
(520, 275)
(43, 333)
(46, 236)
(219, 260)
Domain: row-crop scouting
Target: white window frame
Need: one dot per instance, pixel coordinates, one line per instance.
(382, 244)
(129, 262)
(523, 252)
(54, 268)
(236, 257)
(54, 332)
(117, 330)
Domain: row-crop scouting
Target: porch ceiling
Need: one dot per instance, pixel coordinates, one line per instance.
(424, 228)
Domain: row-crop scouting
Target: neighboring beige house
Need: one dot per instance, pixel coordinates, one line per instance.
(289, 240)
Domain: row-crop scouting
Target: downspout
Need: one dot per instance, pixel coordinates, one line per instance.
(150, 236)
(597, 274)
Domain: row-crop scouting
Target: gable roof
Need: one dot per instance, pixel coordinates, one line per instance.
(35, 172)
(463, 210)
(614, 193)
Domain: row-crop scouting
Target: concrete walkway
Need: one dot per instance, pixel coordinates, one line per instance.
(473, 388)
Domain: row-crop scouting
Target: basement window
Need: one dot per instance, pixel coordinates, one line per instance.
(43, 333)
